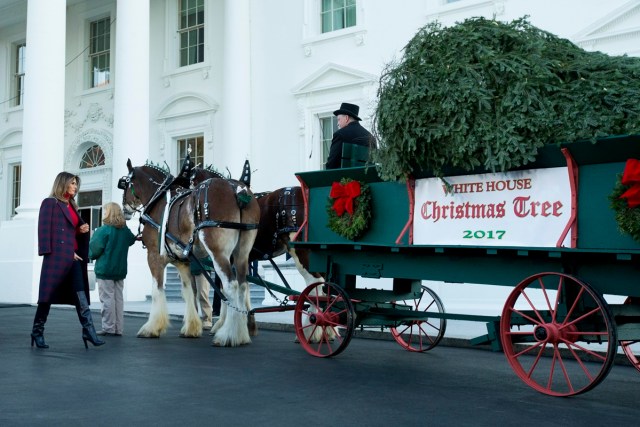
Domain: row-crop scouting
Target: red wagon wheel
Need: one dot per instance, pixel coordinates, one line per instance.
(631, 348)
(558, 334)
(421, 335)
(324, 319)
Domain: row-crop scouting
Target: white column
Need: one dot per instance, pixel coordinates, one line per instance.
(131, 120)
(236, 102)
(131, 81)
(43, 119)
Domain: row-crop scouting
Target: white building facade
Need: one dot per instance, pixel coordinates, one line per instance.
(87, 84)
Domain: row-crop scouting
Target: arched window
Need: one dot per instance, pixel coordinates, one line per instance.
(93, 157)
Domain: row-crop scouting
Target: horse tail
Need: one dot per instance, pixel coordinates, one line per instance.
(163, 225)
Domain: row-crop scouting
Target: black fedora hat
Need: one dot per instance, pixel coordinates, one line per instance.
(348, 109)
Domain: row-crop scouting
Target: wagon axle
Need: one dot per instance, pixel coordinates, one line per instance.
(554, 334)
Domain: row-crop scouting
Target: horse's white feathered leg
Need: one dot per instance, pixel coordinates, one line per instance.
(308, 277)
(221, 319)
(234, 331)
(158, 321)
(192, 324)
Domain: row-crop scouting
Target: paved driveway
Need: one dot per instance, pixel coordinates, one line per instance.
(174, 381)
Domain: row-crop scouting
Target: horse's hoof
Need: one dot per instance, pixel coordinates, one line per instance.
(252, 325)
(148, 336)
(188, 336)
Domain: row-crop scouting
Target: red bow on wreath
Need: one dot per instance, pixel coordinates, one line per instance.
(344, 195)
(631, 177)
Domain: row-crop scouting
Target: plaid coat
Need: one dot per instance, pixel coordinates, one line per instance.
(56, 238)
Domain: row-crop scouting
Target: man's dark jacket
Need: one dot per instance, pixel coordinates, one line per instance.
(353, 133)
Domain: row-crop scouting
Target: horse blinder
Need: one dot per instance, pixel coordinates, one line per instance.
(123, 182)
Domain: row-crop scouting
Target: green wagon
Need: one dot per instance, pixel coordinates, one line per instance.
(557, 330)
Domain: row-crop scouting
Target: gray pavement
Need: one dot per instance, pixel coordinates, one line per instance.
(273, 382)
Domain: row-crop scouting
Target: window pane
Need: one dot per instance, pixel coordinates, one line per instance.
(196, 145)
(200, 53)
(338, 17)
(16, 186)
(183, 57)
(326, 5)
(351, 16)
(328, 125)
(93, 157)
(326, 22)
(191, 17)
(18, 93)
(200, 15)
(99, 55)
(90, 198)
(22, 49)
(184, 40)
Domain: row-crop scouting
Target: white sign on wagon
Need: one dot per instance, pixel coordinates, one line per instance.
(521, 208)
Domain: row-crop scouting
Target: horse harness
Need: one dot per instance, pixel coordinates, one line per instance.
(201, 210)
(286, 218)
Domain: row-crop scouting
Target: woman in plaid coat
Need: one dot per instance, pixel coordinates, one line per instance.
(63, 241)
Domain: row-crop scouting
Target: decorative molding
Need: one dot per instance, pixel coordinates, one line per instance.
(83, 141)
(93, 115)
(611, 28)
(355, 33)
(333, 76)
(186, 103)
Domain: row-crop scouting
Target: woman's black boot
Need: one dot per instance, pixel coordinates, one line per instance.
(84, 314)
(37, 333)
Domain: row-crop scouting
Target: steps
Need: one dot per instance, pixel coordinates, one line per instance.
(173, 288)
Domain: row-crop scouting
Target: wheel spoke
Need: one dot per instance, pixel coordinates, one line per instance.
(546, 298)
(419, 335)
(533, 307)
(575, 303)
(530, 348)
(537, 359)
(580, 361)
(575, 321)
(318, 328)
(563, 367)
(533, 321)
(554, 344)
(556, 304)
(586, 350)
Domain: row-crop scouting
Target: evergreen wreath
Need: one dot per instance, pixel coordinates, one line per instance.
(628, 219)
(349, 225)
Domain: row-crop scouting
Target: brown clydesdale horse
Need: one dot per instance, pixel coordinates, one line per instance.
(218, 218)
(281, 215)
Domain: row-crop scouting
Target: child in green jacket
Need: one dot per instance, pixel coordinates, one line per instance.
(109, 246)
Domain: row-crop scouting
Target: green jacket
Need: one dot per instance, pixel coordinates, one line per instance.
(206, 263)
(109, 246)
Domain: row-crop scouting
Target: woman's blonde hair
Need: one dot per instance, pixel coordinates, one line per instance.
(60, 184)
(112, 215)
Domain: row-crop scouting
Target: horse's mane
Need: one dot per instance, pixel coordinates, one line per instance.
(164, 169)
(214, 171)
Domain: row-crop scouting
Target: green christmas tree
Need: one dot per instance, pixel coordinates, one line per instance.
(487, 94)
